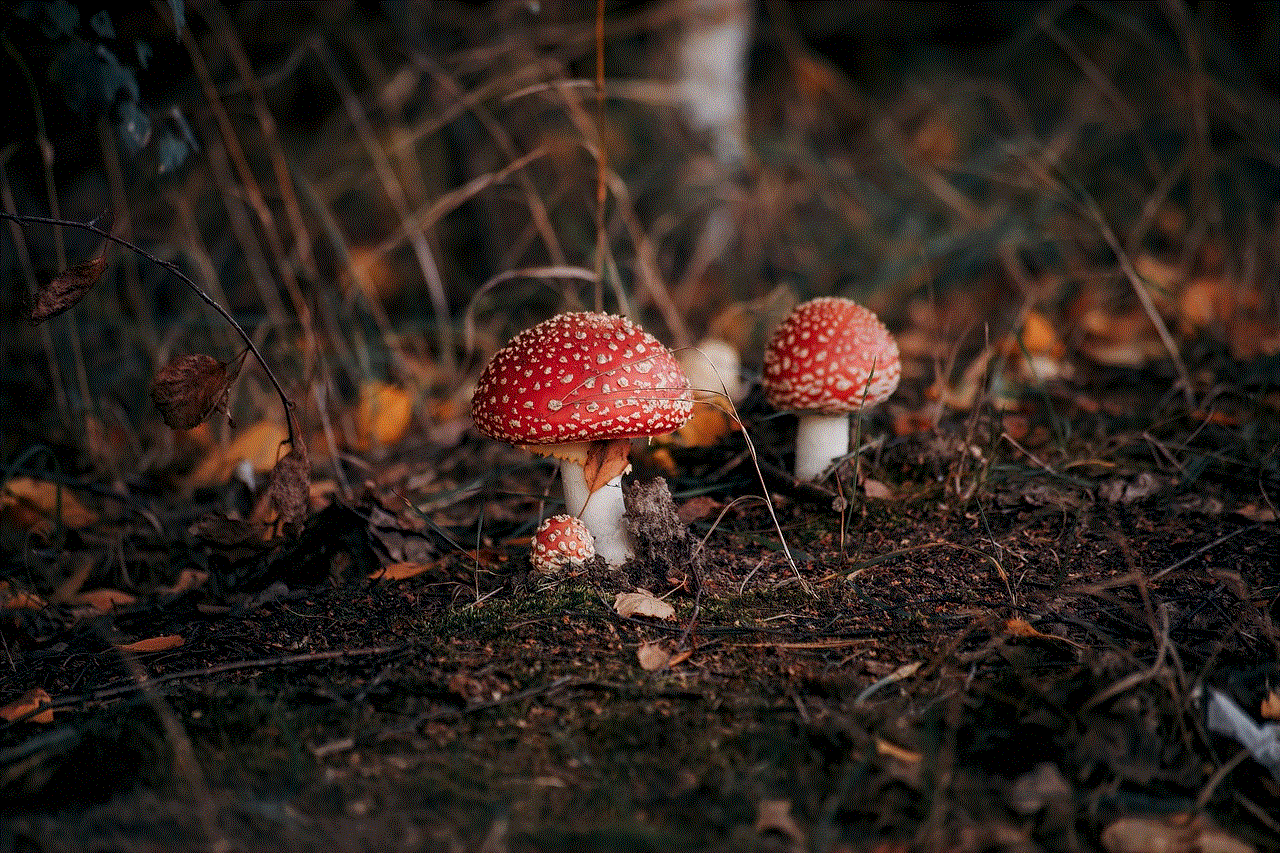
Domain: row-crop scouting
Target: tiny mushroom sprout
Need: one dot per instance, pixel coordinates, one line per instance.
(561, 541)
(579, 387)
(828, 358)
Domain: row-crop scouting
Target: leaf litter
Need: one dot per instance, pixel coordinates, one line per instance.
(1005, 647)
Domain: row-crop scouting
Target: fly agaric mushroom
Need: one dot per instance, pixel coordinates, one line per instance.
(579, 387)
(560, 541)
(829, 358)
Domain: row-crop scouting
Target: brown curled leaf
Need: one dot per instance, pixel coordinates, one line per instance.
(190, 388)
(290, 487)
(606, 460)
(67, 288)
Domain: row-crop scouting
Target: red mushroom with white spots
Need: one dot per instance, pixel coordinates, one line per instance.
(561, 541)
(579, 387)
(830, 357)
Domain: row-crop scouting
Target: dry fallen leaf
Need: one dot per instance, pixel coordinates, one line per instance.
(1271, 706)
(25, 704)
(67, 288)
(876, 489)
(892, 750)
(14, 598)
(188, 579)
(33, 504)
(1146, 834)
(652, 656)
(104, 600)
(259, 445)
(642, 603)
(153, 644)
(401, 571)
(382, 414)
(776, 815)
(706, 426)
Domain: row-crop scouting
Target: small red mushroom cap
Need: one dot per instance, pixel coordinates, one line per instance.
(821, 357)
(581, 377)
(560, 541)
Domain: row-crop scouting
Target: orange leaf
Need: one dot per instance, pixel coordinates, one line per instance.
(401, 571)
(188, 579)
(153, 644)
(706, 426)
(259, 445)
(884, 747)
(382, 414)
(32, 501)
(105, 599)
(606, 460)
(13, 598)
(652, 656)
(25, 704)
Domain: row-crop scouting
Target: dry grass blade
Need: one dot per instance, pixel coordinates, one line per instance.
(395, 194)
(545, 273)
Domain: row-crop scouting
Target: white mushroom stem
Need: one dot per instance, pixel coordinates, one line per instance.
(601, 511)
(820, 440)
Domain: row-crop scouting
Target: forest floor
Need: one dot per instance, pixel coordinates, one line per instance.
(1009, 650)
(999, 627)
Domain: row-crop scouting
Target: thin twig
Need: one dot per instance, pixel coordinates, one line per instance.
(184, 278)
(105, 693)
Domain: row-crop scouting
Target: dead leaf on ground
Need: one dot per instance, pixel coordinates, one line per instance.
(259, 445)
(709, 423)
(402, 571)
(14, 598)
(153, 644)
(892, 750)
(1254, 512)
(104, 600)
(642, 603)
(652, 656)
(876, 489)
(776, 815)
(1270, 709)
(382, 414)
(25, 704)
(188, 579)
(698, 508)
(32, 504)
(67, 288)
(1143, 834)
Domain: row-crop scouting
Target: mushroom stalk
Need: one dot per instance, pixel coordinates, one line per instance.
(820, 440)
(601, 511)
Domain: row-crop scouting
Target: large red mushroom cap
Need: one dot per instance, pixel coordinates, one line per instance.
(561, 540)
(581, 377)
(830, 356)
